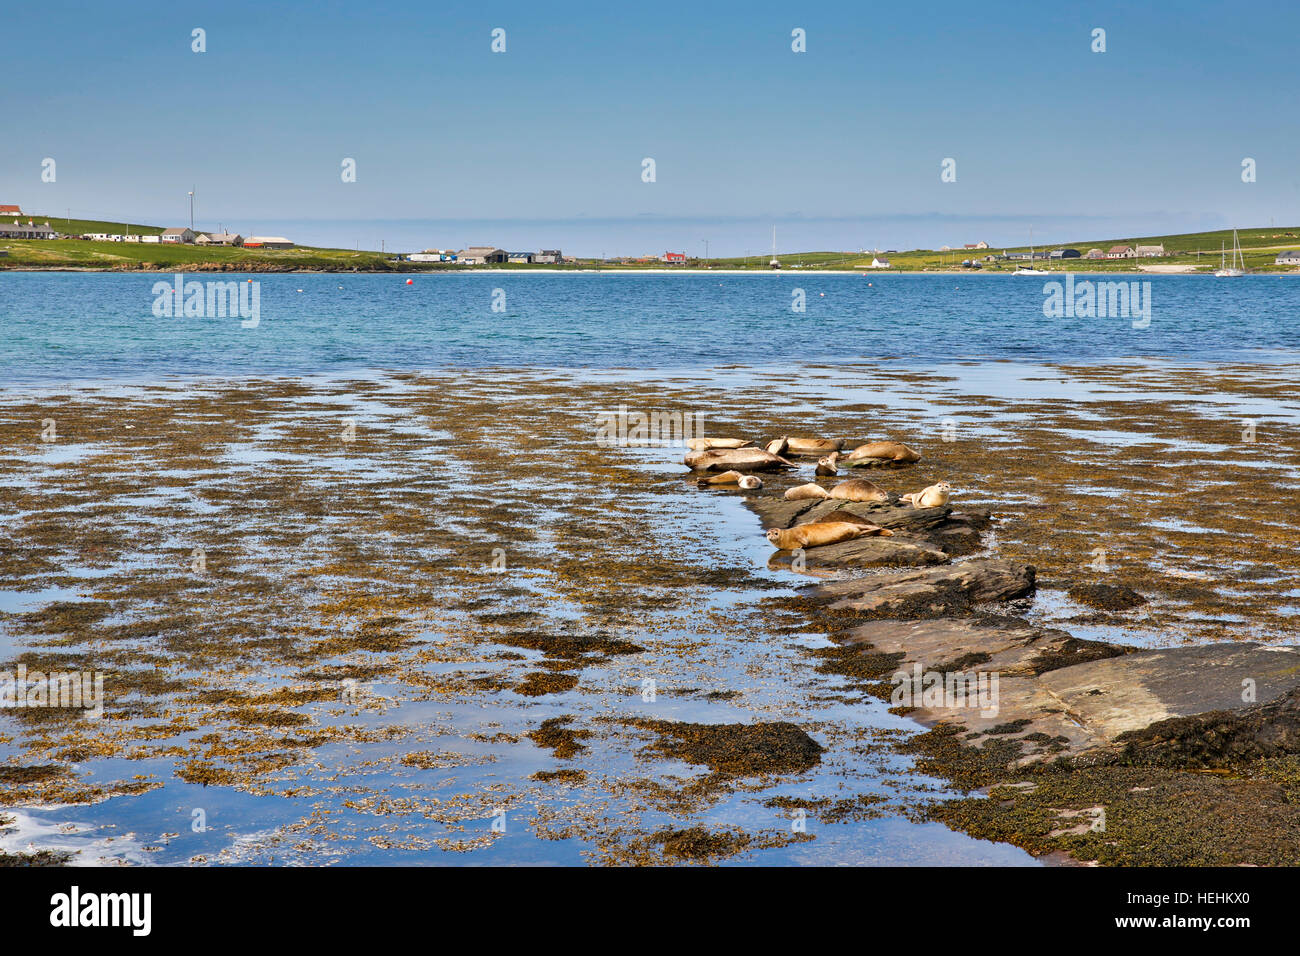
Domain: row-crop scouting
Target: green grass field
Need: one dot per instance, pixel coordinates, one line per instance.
(1198, 250)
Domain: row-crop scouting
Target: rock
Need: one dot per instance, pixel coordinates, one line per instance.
(874, 551)
(932, 592)
(1057, 698)
(738, 459)
(923, 536)
(1011, 646)
(1133, 692)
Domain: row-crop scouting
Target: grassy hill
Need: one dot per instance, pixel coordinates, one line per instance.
(1196, 251)
(129, 256)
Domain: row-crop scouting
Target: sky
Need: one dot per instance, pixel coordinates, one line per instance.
(839, 147)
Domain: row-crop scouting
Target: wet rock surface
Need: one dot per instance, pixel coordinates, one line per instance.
(1006, 697)
(931, 592)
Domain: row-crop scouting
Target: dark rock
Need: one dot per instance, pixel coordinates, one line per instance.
(932, 592)
(1106, 597)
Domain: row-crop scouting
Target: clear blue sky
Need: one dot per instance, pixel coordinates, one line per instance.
(1044, 131)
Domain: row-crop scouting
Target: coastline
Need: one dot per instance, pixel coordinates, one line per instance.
(475, 270)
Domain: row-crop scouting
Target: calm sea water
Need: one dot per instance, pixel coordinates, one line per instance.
(82, 326)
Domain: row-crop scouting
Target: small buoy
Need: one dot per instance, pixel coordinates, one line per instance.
(408, 282)
(300, 290)
(822, 294)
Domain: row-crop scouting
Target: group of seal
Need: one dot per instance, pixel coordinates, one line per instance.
(732, 461)
(854, 489)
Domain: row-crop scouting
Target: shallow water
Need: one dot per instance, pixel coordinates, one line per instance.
(145, 499)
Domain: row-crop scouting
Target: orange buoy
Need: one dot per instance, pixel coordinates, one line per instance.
(410, 282)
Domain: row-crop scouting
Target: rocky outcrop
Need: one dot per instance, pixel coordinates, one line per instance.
(931, 592)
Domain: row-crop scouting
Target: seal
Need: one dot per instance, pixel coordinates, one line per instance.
(859, 489)
(747, 482)
(884, 451)
(829, 466)
(738, 459)
(811, 447)
(704, 444)
(725, 478)
(931, 497)
(819, 533)
(810, 490)
(777, 446)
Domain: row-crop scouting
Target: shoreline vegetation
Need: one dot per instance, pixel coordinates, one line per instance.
(1189, 254)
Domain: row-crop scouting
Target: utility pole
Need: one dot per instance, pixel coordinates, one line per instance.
(191, 210)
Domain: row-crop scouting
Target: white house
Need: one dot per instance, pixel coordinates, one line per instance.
(880, 262)
(1150, 252)
(184, 235)
(1288, 257)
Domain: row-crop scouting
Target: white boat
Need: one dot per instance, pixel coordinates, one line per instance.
(1231, 272)
(1030, 270)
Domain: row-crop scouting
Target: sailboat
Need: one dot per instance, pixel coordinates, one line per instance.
(1029, 270)
(1231, 272)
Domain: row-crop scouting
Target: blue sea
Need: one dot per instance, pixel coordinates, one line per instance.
(63, 327)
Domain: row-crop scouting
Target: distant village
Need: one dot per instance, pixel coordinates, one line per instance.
(174, 236)
(492, 255)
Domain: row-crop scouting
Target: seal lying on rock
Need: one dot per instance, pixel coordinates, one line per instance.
(829, 466)
(859, 489)
(818, 533)
(739, 459)
(731, 478)
(810, 490)
(884, 451)
(813, 446)
(777, 446)
(931, 497)
(704, 444)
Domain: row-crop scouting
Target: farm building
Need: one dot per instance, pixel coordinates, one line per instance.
(17, 230)
(481, 255)
(219, 239)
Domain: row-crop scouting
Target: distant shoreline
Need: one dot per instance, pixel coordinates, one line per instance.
(407, 273)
